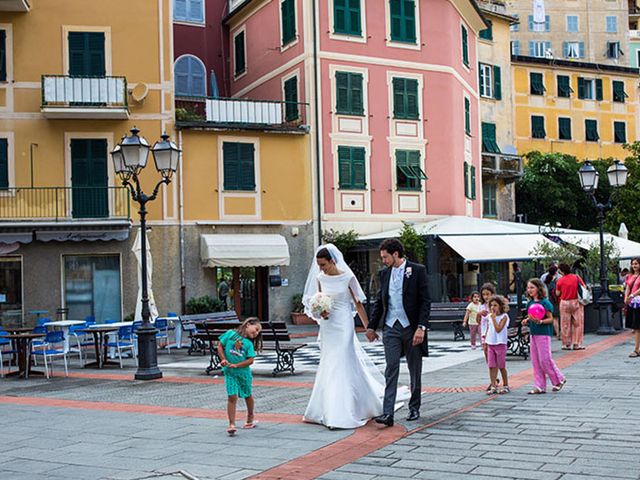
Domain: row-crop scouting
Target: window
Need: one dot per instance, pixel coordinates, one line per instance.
(3, 56)
(4, 163)
(469, 181)
(288, 15)
(618, 91)
(515, 47)
(349, 96)
(536, 84)
(92, 286)
(589, 89)
(489, 207)
(239, 54)
(515, 27)
(291, 98)
(564, 128)
(537, 127)
(613, 50)
(564, 86)
(467, 116)
(591, 130)
(86, 54)
(11, 283)
(487, 33)
(489, 144)
(346, 17)
(465, 46)
(188, 11)
(351, 168)
(238, 166)
(405, 98)
(540, 27)
(539, 49)
(490, 81)
(572, 24)
(573, 49)
(619, 132)
(403, 20)
(409, 174)
(190, 77)
(612, 24)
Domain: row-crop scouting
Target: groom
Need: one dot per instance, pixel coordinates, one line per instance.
(402, 311)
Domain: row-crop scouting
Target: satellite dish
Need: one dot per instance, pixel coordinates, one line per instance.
(139, 92)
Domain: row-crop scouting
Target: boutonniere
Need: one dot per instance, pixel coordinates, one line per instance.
(408, 272)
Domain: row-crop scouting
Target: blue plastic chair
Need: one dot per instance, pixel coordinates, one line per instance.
(162, 325)
(124, 341)
(4, 342)
(49, 351)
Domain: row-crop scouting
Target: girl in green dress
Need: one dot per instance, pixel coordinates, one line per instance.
(237, 349)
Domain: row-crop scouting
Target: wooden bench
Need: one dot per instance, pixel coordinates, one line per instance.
(275, 338)
(188, 324)
(518, 340)
(452, 313)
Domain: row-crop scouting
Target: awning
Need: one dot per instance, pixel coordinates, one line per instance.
(243, 250)
(82, 235)
(495, 248)
(627, 248)
(16, 237)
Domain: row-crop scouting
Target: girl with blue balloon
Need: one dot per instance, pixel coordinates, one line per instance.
(540, 320)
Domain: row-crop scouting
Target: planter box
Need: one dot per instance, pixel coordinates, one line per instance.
(301, 319)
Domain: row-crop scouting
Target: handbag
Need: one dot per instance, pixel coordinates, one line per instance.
(585, 297)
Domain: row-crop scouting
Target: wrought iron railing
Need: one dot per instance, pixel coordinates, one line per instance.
(241, 112)
(82, 92)
(64, 203)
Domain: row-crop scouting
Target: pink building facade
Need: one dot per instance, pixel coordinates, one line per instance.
(393, 101)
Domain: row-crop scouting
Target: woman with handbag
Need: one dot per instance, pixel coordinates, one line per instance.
(571, 310)
(632, 302)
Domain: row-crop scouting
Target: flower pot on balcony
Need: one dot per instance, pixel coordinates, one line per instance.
(301, 319)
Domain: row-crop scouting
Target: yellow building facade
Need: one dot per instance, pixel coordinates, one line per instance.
(577, 108)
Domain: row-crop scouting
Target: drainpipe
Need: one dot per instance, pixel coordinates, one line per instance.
(183, 300)
(31, 160)
(317, 119)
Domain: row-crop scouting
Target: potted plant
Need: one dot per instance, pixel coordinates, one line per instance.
(298, 317)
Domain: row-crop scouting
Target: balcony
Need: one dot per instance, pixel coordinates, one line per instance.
(14, 6)
(64, 96)
(96, 205)
(230, 113)
(500, 165)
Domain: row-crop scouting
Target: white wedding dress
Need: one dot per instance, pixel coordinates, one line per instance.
(348, 389)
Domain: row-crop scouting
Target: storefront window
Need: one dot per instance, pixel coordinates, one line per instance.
(92, 287)
(10, 287)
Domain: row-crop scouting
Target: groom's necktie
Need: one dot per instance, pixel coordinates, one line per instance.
(397, 275)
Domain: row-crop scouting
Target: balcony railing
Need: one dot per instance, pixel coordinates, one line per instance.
(242, 113)
(78, 96)
(14, 5)
(502, 165)
(64, 204)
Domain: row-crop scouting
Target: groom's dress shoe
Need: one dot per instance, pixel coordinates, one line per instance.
(385, 420)
(413, 415)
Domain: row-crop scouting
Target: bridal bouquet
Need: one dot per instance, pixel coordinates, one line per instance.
(320, 303)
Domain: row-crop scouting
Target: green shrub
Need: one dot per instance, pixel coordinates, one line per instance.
(205, 304)
(297, 306)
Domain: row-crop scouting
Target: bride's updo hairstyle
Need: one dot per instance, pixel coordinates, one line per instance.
(324, 254)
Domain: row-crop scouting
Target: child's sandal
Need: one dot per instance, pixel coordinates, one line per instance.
(231, 431)
(536, 391)
(504, 390)
(492, 391)
(557, 388)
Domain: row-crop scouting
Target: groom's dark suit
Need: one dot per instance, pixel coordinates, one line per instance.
(398, 339)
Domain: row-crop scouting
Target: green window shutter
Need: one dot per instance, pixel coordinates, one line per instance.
(480, 78)
(357, 104)
(598, 89)
(403, 20)
(467, 116)
(409, 173)
(291, 99)
(405, 98)
(536, 84)
(239, 54)
(342, 92)
(581, 88)
(466, 179)
(344, 168)
(288, 12)
(4, 163)
(489, 143)
(619, 94)
(247, 169)
(487, 33)
(398, 98)
(465, 46)
(238, 166)
(591, 130)
(564, 128)
(411, 88)
(472, 169)
(497, 83)
(564, 87)
(619, 132)
(346, 17)
(537, 127)
(358, 167)
(349, 94)
(3, 56)
(86, 54)
(489, 200)
(351, 168)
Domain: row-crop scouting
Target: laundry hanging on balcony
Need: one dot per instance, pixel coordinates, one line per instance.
(539, 16)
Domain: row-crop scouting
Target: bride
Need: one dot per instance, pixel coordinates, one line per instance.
(348, 389)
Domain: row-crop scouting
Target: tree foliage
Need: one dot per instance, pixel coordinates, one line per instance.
(625, 200)
(342, 240)
(413, 243)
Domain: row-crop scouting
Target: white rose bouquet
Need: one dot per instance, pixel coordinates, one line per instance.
(320, 303)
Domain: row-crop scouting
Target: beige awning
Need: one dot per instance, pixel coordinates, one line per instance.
(495, 248)
(243, 250)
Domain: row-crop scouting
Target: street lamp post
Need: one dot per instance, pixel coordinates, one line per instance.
(589, 176)
(129, 159)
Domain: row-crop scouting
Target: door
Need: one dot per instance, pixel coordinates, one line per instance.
(10, 290)
(86, 54)
(89, 178)
(250, 292)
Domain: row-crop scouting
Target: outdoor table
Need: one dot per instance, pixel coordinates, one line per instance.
(64, 326)
(22, 342)
(100, 333)
(19, 329)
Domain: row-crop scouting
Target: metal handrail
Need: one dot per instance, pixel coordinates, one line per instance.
(64, 203)
(84, 90)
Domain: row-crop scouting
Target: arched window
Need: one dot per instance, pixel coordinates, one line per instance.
(190, 77)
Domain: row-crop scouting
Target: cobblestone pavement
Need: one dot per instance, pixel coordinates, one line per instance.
(104, 425)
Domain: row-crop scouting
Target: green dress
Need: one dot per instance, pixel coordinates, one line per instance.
(237, 349)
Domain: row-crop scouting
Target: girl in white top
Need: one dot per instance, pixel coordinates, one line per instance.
(498, 324)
